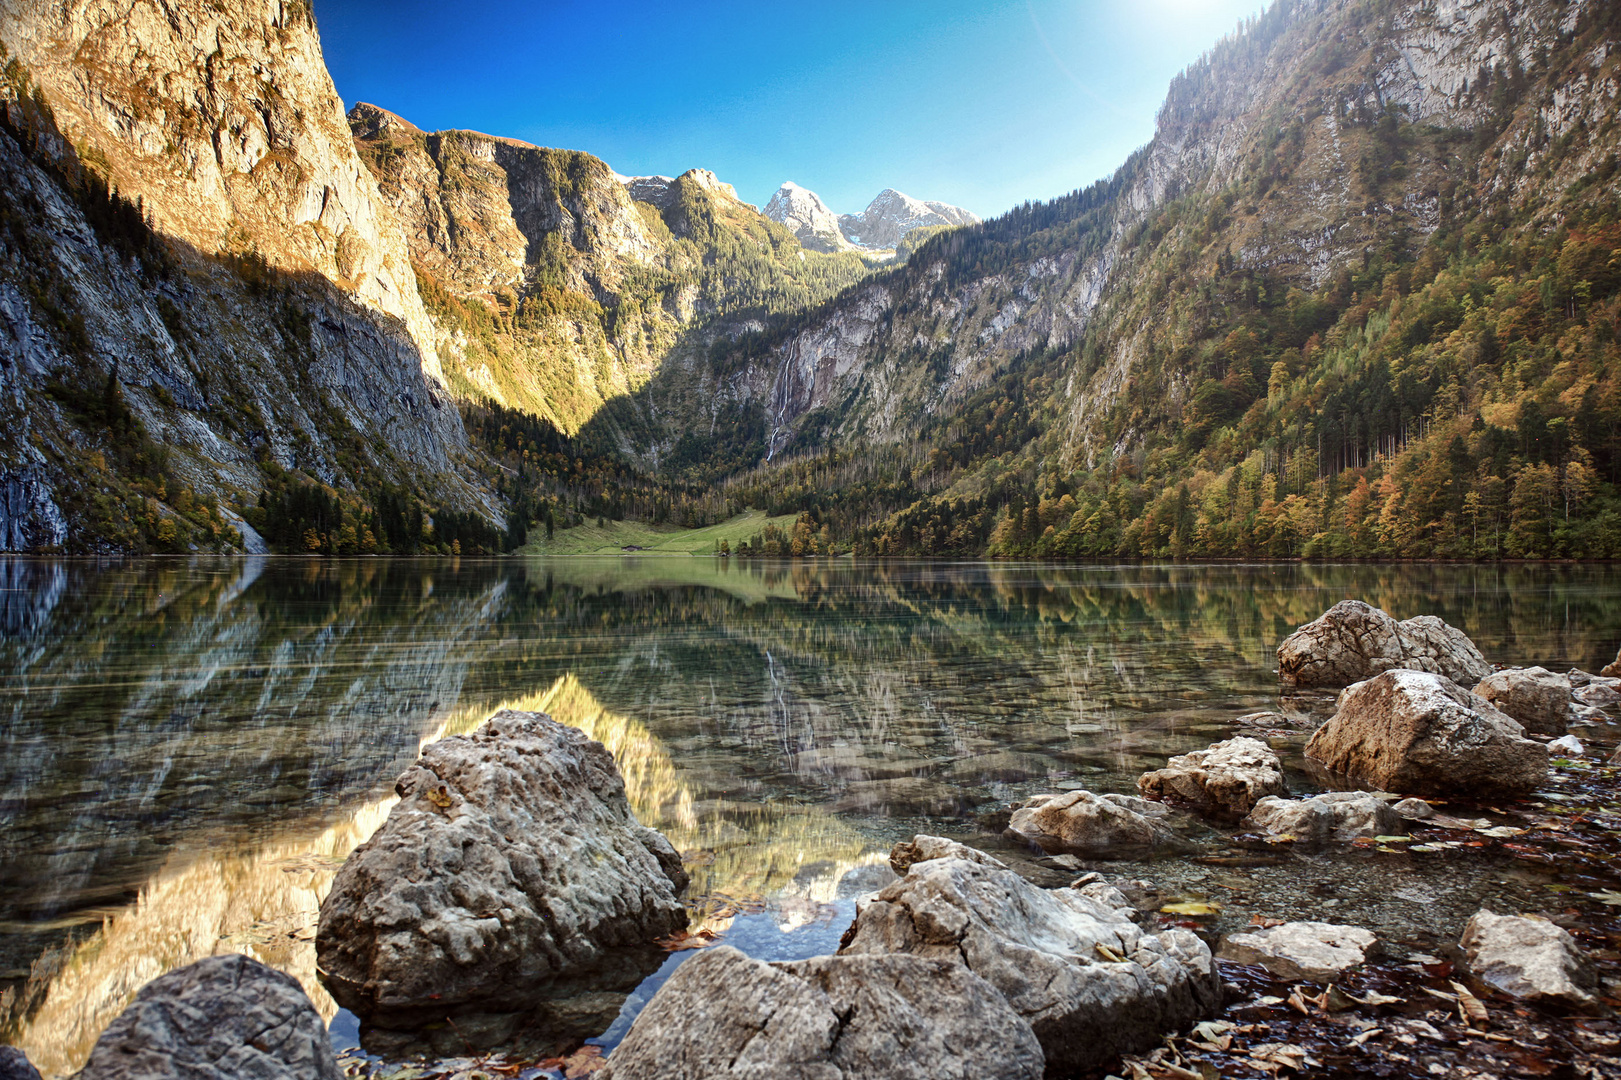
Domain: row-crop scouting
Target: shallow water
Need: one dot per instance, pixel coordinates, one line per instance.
(189, 747)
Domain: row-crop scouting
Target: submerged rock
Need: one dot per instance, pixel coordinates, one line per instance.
(223, 1018)
(1335, 816)
(1597, 694)
(510, 877)
(1095, 826)
(860, 1017)
(1529, 958)
(14, 1065)
(1414, 809)
(1226, 780)
(1569, 745)
(1420, 733)
(1353, 641)
(1317, 951)
(1535, 696)
(1091, 982)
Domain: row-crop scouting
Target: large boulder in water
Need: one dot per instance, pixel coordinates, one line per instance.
(511, 875)
(1538, 698)
(223, 1018)
(1333, 816)
(1090, 982)
(1227, 780)
(1095, 826)
(1353, 641)
(723, 1015)
(1422, 734)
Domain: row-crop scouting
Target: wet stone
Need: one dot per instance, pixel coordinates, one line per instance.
(1317, 951)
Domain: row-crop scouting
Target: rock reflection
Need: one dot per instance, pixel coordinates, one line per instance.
(264, 901)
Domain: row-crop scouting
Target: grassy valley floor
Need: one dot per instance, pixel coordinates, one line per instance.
(613, 537)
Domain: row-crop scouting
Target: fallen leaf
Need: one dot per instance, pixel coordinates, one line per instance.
(1470, 1007)
(1109, 954)
(1365, 1036)
(1264, 922)
(1392, 839)
(440, 796)
(1373, 997)
(584, 1062)
(1608, 896)
(1192, 908)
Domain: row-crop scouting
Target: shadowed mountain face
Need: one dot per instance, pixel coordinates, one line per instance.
(196, 277)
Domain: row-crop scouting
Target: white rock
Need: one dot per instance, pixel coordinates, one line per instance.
(1095, 826)
(1336, 815)
(1353, 641)
(858, 1017)
(1091, 982)
(1529, 958)
(1570, 745)
(1420, 733)
(1315, 951)
(1535, 696)
(1227, 779)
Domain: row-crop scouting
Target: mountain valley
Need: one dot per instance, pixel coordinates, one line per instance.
(1359, 296)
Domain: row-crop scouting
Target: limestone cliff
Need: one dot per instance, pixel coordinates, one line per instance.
(559, 285)
(198, 282)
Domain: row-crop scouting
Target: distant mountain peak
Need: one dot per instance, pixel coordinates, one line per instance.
(888, 218)
(804, 214)
(893, 214)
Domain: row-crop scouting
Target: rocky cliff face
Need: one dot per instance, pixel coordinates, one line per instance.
(244, 298)
(805, 215)
(594, 280)
(890, 216)
(1268, 156)
(223, 120)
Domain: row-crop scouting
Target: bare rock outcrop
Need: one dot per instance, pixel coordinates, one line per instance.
(1090, 982)
(1538, 698)
(511, 875)
(1419, 733)
(1227, 780)
(1095, 826)
(224, 120)
(1353, 641)
(1334, 816)
(1529, 958)
(859, 1017)
(1317, 951)
(223, 1018)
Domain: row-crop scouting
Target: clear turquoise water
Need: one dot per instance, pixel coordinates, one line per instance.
(187, 747)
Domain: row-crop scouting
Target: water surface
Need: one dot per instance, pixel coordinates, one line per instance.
(188, 748)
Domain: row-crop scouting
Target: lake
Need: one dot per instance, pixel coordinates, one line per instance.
(189, 747)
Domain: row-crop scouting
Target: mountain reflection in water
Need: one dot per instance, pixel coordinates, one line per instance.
(190, 747)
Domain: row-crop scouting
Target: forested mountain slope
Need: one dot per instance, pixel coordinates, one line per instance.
(1358, 296)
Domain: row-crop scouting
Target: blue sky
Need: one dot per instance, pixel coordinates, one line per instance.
(983, 105)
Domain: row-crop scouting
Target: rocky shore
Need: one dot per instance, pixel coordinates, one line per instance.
(511, 903)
